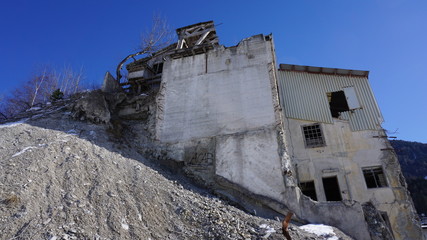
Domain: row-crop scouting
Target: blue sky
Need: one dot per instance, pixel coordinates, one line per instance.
(387, 37)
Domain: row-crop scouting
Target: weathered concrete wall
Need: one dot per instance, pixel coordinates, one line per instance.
(225, 95)
(222, 92)
(221, 111)
(345, 154)
(251, 160)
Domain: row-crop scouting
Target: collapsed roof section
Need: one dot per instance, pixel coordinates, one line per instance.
(197, 34)
(192, 40)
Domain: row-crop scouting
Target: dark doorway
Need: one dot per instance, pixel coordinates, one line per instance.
(332, 189)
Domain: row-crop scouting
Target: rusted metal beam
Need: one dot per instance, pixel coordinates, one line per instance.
(285, 225)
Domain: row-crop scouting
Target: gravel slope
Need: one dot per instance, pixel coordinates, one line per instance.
(66, 179)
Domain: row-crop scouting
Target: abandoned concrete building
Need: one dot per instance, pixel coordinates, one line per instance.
(289, 138)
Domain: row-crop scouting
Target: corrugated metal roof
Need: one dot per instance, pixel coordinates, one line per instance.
(334, 71)
(303, 96)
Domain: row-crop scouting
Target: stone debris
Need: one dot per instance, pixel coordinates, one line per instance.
(69, 184)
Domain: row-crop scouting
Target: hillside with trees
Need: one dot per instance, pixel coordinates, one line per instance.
(413, 160)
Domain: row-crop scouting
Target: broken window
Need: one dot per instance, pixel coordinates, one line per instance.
(332, 189)
(337, 103)
(158, 68)
(342, 101)
(374, 177)
(308, 189)
(313, 136)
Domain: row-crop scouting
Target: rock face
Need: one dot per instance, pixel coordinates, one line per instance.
(93, 107)
(62, 178)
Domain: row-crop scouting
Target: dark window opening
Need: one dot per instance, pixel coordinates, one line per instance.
(374, 177)
(337, 103)
(313, 136)
(308, 189)
(158, 68)
(332, 189)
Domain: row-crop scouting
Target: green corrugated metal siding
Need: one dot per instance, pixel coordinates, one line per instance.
(303, 96)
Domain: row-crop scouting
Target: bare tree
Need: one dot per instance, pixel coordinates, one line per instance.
(38, 82)
(2, 107)
(39, 88)
(159, 36)
(68, 80)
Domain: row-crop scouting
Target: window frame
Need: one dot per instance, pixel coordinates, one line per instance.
(375, 175)
(322, 136)
(304, 189)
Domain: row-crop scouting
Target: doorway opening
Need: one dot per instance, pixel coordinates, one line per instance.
(332, 189)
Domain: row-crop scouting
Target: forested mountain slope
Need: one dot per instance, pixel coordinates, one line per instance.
(413, 160)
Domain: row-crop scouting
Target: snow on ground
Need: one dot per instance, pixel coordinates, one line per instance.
(33, 109)
(13, 124)
(22, 151)
(320, 230)
(267, 230)
(27, 149)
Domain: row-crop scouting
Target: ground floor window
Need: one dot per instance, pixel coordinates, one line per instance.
(308, 189)
(374, 177)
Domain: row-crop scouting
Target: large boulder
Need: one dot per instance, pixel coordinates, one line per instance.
(92, 106)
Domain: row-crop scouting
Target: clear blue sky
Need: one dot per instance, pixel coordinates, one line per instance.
(387, 37)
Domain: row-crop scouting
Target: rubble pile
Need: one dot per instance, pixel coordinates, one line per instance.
(62, 178)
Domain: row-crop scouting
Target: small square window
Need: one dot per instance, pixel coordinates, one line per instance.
(374, 177)
(313, 136)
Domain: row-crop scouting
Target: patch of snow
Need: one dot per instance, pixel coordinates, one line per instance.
(33, 109)
(267, 230)
(320, 230)
(37, 116)
(72, 132)
(143, 94)
(125, 226)
(13, 124)
(22, 151)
